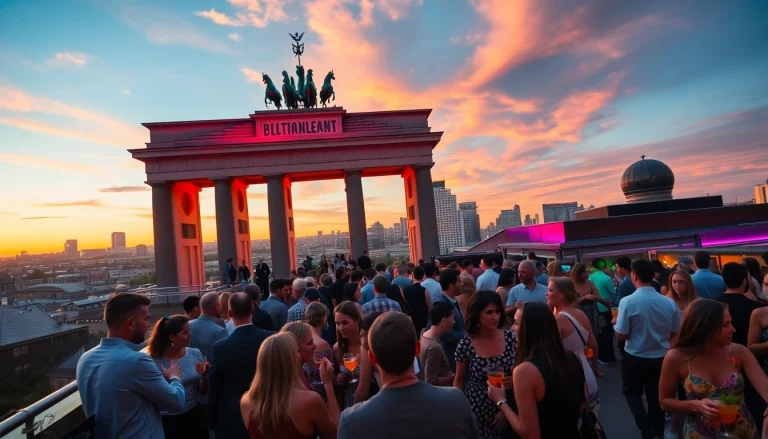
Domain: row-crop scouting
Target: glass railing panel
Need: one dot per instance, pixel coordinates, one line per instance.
(60, 419)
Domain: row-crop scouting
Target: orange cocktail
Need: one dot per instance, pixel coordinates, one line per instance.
(495, 376)
(350, 362)
(614, 313)
(728, 413)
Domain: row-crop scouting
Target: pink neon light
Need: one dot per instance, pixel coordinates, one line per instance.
(551, 233)
(738, 239)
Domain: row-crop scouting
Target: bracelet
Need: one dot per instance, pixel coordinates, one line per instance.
(501, 403)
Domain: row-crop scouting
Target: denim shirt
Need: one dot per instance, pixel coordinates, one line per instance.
(125, 391)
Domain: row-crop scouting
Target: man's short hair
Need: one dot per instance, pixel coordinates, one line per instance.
(701, 258)
(531, 255)
(498, 259)
(488, 260)
(599, 263)
(380, 284)
(429, 269)
(466, 263)
(356, 276)
(312, 294)
(120, 306)
(287, 283)
(448, 277)
(454, 265)
(438, 311)
(370, 273)
(299, 285)
(418, 272)
(254, 292)
(734, 274)
(209, 301)
(326, 280)
(624, 262)
(402, 270)
(275, 285)
(381, 267)
(240, 305)
(230, 260)
(643, 270)
(392, 339)
(190, 303)
(340, 271)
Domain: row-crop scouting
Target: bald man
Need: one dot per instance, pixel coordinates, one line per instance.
(204, 329)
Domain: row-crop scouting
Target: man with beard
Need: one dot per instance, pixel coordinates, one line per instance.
(121, 387)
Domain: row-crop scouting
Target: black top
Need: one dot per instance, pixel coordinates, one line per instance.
(364, 262)
(740, 307)
(560, 410)
(262, 320)
(245, 273)
(414, 295)
(338, 290)
(326, 292)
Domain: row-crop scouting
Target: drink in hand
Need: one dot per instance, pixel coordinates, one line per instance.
(495, 376)
(350, 361)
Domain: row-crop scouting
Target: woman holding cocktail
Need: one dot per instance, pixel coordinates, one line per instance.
(712, 370)
(576, 332)
(486, 353)
(168, 343)
(346, 351)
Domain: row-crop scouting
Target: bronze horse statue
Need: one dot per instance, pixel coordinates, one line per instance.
(300, 85)
(327, 91)
(271, 94)
(310, 92)
(289, 92)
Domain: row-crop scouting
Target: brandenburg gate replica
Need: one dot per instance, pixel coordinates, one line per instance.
(277, 148)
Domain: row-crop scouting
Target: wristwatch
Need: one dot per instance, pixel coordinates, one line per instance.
(501, 403)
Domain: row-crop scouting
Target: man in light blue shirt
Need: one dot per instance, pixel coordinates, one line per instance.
(402, 279)
(489, 280)
(708, 285)
(528, 290)
(121, 387)
(204, 330)
(429, 283)
(366, 293)
(274, 306)
(646, 322)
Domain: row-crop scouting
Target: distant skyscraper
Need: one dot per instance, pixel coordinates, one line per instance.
(536, 219)
(448, 222)
(70, 248)
(470, 223)
(489, 231)
(528, 221)
(509, 218)
(142, 250)
(560, 211)
(118, 240)
(319, 233)
(404, 228)
(761, 193)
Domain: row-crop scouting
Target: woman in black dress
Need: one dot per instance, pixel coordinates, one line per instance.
(485, 346)
(548, 381)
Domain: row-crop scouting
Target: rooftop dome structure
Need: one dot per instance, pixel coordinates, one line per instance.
(647, 180)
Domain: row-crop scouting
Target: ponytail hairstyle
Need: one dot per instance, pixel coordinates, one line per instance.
(160, 339)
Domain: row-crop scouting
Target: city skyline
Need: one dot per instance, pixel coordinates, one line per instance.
(545, 104)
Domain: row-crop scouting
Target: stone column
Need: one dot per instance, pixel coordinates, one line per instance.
(165, 243)
(358, 234)
(430, 245)
(281, 237)
(225, 223)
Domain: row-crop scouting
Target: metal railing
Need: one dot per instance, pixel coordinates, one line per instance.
(39, 419)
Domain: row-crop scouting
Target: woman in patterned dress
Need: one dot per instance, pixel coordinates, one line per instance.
(485, 346)
(712, 370)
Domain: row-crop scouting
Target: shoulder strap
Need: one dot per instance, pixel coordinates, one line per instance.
(575, 328)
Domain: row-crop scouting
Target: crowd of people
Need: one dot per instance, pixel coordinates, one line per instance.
(511, 348)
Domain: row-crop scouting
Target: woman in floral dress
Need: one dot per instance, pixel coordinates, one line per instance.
(485, 346)
(712, 370)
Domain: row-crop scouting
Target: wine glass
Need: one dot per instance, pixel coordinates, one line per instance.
(200, 365)
(350, 362)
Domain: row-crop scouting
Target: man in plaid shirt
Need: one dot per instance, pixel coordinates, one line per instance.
(380, 302)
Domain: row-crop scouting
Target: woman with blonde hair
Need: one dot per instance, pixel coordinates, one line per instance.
(681, 289)
(555, 269)
(224, 305)
(468, 290)
(277, 405)
(576, 332)
(589, 297)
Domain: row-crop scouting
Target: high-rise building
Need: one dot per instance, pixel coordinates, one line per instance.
(509, 218)
(70, 248)
(404, 229)
(536, 219)
(528, 221)
(489, 231)
(560, 211)
(142, 250)
(448, 222)
(470, 223)
(761, 193)
(118, 240)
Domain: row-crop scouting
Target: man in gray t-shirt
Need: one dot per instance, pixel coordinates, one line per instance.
(405, 407)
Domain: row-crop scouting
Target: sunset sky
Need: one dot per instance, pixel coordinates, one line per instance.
(540, 101)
